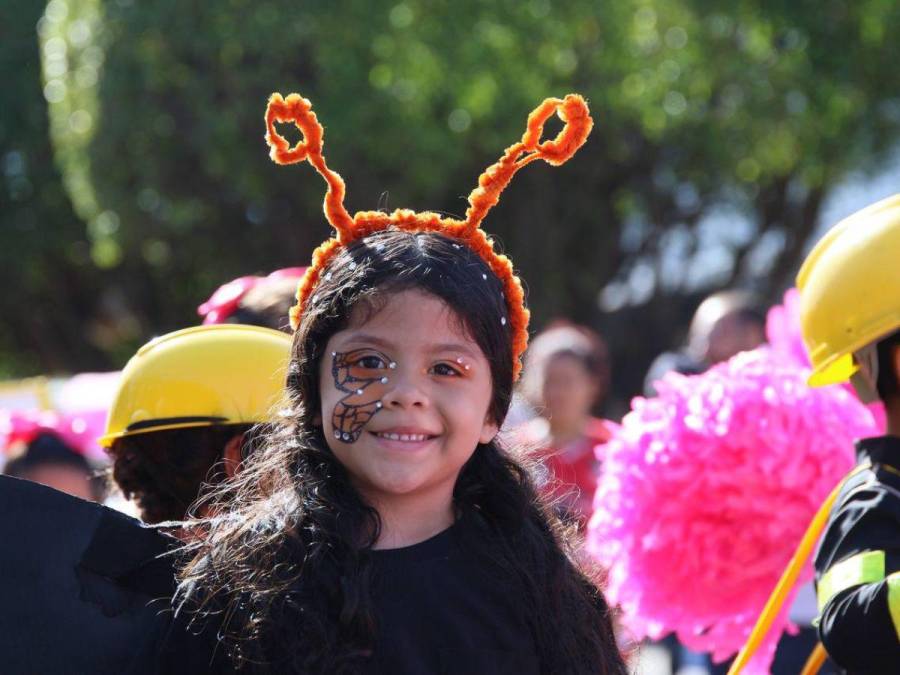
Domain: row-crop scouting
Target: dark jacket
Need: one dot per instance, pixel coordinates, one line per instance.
(83, 588)
(858, 565)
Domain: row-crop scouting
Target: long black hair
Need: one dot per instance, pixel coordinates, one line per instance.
(284, 571)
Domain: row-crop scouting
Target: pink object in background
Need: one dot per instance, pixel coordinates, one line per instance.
(83, 402)
(17, 426)
(707, 488)
(226, 299)
(79, 403)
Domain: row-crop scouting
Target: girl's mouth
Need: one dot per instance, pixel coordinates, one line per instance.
(407, 438)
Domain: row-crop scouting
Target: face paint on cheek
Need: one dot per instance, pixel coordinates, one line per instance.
(364, 387)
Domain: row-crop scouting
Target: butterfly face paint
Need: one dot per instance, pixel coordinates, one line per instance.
(363, 375)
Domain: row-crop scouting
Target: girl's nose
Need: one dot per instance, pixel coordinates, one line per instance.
(404, 392)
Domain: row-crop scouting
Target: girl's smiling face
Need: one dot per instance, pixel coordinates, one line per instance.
(405, 394)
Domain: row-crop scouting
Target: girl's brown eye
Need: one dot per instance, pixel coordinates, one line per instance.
(445, 369)
(365, 365)
(370, 361)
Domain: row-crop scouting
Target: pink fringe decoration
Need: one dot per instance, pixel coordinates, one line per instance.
(706, 490)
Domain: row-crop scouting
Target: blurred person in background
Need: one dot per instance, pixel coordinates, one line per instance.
(254, 300)
(46, 459)
(566, 377)
(185, 404)
(724, 324)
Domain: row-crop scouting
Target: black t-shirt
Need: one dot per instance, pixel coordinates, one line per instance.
(442, 608)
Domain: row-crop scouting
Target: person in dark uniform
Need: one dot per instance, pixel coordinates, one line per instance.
(850, 315)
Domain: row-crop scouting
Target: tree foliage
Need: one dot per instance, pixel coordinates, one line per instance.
(720, 129)
(48, 281)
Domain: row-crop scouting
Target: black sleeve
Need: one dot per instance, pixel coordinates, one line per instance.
(858, 632)
(856, 626)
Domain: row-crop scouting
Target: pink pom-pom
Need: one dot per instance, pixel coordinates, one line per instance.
(706, 491)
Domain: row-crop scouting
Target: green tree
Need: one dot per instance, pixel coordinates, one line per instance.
(51, 317)
(720, 129)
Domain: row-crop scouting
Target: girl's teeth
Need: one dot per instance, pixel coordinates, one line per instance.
(404, 437)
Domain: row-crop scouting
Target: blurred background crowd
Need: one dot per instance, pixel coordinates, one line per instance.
(134, 183)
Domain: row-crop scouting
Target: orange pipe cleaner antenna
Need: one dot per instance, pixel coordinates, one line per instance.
(572, 110)
(298, 110)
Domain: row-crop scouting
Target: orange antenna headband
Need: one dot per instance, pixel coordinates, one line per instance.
(572, 110)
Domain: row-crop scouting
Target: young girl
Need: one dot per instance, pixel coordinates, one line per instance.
(383, 529)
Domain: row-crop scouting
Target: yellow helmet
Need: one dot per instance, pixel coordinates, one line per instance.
(218, 374)
(850, 290)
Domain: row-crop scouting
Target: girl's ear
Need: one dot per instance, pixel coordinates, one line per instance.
(488, 430)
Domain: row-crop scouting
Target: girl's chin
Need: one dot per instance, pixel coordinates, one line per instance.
(385, 480)
(387, 486)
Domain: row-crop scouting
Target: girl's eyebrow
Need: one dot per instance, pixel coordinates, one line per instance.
(453, 347)
(369, 339)
(434, 348)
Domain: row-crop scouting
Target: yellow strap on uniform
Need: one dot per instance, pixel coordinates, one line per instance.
(863, 568)
(789, 577)
(893, 584)
(814, 662)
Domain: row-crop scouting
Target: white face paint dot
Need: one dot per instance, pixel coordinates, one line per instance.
(353, 266)
(315, 298)
(457, 246)
(484, 276)
(346, 437)
(392, 365)
(459, 360)
(359, 392)
(378, 404)
(334, 353)
(384, 380)
(328, 277)
(503, 320)
(337, 434)
(379, 247)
